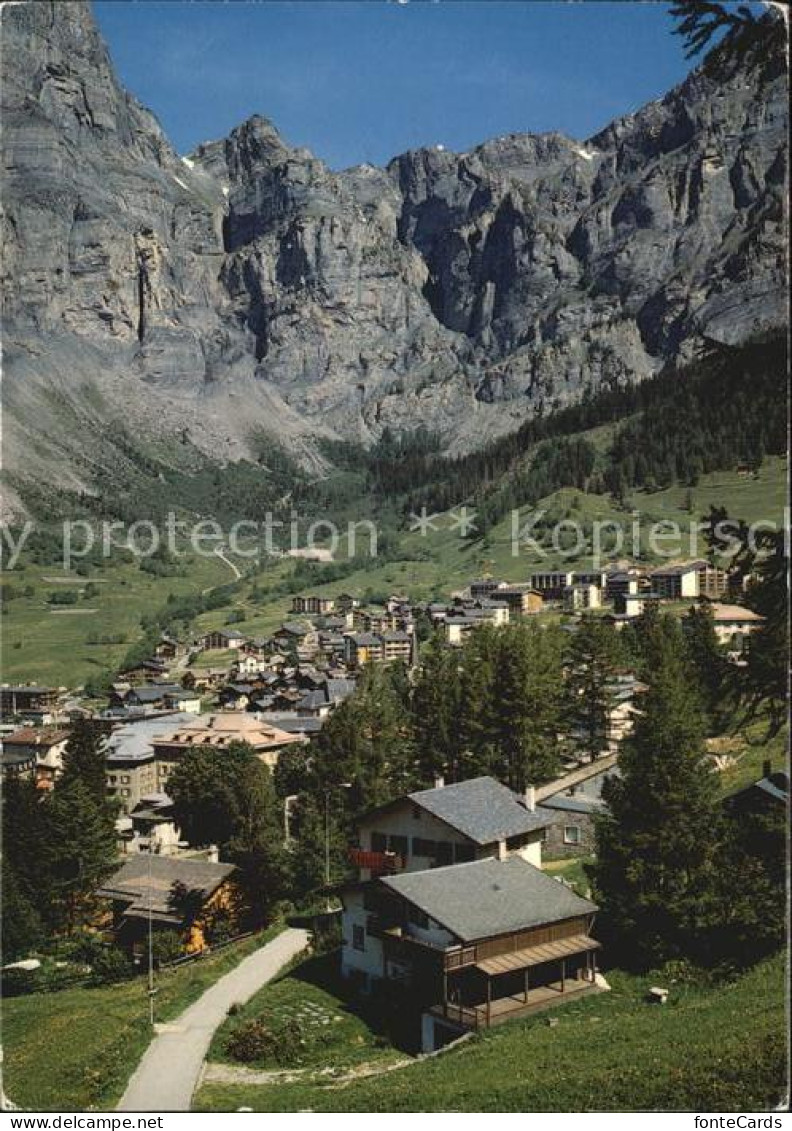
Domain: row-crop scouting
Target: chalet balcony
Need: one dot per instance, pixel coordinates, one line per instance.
(485, 1015)
(378, 863)
(482, 990)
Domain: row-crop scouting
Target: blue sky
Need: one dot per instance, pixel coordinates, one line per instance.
(366, 80)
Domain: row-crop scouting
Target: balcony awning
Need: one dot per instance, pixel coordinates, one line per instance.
(534, 955)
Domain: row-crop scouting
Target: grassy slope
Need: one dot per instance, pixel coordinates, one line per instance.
(53, 647)
(721, 1049)
(48, 647)
(442, 561)
(76, 1049)
(331, 1034)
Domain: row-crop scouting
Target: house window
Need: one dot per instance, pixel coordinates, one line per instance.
(463, 853)
(399, 845)
(358, 937)
(379, 842)
(571, 834)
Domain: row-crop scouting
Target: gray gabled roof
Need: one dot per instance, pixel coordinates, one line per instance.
(481, 808)
(146, 882)
(488, 897)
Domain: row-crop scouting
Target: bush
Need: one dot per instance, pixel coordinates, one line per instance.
(111, 965)
(255, 1041)
(252, 1041)
(167, 947)
(63, 597)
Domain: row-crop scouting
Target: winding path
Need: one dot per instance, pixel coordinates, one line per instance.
(170, 1069)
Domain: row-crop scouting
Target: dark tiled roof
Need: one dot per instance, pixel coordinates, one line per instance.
(481, 808)
(567, 804)
(678, 569)
(131, 883)
(489, 897)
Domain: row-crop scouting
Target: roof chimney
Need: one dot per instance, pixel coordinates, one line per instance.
(439, 781)
(529, 798)
(213, 854)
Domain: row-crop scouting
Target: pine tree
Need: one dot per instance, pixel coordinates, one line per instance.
(227, 797)
(655, 873)
(735, 34)
(527, 703)
(478, 710)
(752, 887)
(21, 929)
(594, 657)
(436, 703)
(84, 759)
(709, 665)
(208, 789)
(77, 852)
(257, 847)
(24, 834)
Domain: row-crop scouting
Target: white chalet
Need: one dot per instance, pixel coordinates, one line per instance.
(452, 906)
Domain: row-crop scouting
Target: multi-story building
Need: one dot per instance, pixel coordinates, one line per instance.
(713, 582)
(28, 700)
(362, 648)
(582, 595)
(483, 588)
(551, 583)
(520, 599)
(219, 731)
(735, 625)
(314, 604)
(44, 745)
(675, 582)
(131, 765)
(452, 908)
(397, 646)
(624, 583)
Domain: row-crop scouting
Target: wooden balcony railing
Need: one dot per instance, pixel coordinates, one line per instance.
(378, 863)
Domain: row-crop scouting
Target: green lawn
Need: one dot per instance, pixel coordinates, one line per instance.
(748, 750)
(717, 1049)
(306, 1009)
(572, 870)
(75, 1050)
(64, 645)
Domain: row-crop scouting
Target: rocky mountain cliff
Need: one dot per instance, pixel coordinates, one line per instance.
(248, 290)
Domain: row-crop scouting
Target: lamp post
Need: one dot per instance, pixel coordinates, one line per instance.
(151, 990)
(327, 792)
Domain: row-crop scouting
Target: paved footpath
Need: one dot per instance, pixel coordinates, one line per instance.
(168, 1074)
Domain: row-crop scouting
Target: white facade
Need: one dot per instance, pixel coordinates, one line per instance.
(405, 823)
(582, 596)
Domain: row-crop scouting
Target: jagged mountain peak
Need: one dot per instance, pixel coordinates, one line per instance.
(247, 287)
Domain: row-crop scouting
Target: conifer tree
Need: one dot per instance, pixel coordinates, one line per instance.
(436, 706)
(78, 849)
(594, 657)
(527, 698)
(655, 872)
(84, 758)
(708, 662)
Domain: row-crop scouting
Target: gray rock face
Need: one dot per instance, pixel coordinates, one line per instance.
(248, 288)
